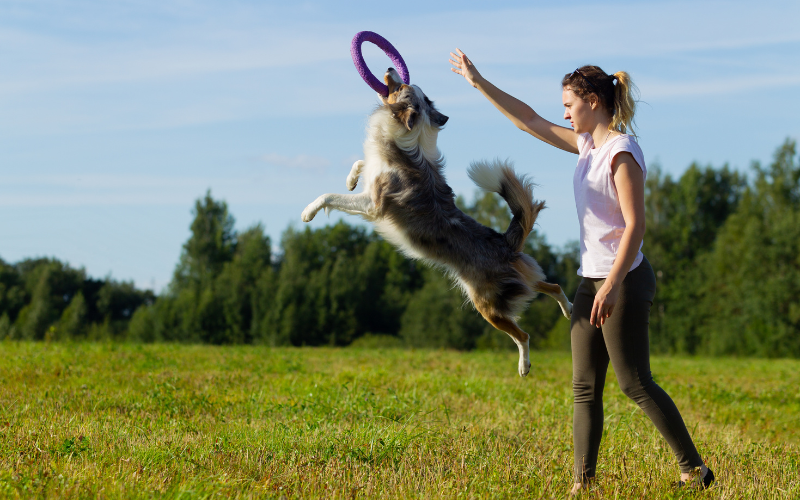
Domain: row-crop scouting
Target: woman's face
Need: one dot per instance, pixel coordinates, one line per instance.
(579, 112)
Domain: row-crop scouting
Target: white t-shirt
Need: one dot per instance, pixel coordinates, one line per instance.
(599, 211)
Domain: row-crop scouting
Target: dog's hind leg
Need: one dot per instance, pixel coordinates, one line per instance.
(356, 204)
(355, 172)
(520, 338)
(557, 293)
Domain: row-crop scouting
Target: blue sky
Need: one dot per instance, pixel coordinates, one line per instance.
(116, 116)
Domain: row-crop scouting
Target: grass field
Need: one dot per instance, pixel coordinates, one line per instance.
(121, 421)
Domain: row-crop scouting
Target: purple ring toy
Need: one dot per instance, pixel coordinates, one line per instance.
(361, 66)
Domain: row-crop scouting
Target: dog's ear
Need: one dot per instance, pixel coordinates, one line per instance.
(409, 117)
(437, 118)
(404, 113)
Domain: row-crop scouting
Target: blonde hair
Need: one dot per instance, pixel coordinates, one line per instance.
(625, 96)
(618, 99)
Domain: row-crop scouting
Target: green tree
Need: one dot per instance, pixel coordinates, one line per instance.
(142, 327)
(115, 304)
(13, 296)
(211, 245)
(390, 280)
(192, 310)
(751, 278)
(439, 316)
(319, 286)
(337, 284)
(245, 286)
(683, 218)
(73, 320)
(50, 285)
(5, 327)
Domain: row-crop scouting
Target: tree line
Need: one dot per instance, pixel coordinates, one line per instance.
(725, 249)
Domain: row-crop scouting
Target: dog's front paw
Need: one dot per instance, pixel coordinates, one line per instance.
(355, 171)
(352, 182)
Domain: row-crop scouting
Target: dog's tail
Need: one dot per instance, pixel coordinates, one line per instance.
(499, 177)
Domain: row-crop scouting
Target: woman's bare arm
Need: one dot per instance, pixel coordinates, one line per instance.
(629, 179)
(520, 114)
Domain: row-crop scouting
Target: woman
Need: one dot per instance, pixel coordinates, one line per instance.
(612, 305)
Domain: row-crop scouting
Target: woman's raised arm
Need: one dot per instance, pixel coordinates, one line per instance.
(522, 115)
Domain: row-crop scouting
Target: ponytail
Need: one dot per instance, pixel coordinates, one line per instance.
(625, 96)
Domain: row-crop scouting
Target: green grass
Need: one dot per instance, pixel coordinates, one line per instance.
(113, 421)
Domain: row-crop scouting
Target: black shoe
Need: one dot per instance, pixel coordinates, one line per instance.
(703, 484)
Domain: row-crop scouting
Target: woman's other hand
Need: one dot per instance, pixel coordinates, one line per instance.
(604, 302)
(464, 67)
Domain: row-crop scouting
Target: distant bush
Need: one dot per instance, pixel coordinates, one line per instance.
(45, 298)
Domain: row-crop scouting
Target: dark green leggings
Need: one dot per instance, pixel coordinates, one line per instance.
(624, 340)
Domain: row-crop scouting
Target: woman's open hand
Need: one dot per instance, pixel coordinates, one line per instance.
(604, 301)
(464, 67)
